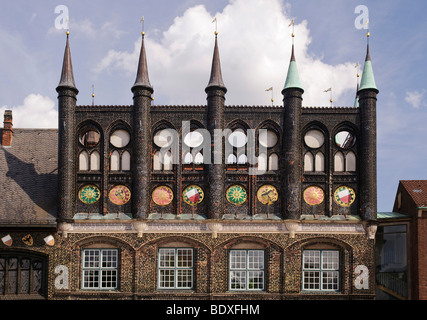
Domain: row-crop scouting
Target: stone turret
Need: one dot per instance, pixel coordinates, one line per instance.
(368, 142)
(67, 100)
(141, 163)
(291, 163)
(216, 170)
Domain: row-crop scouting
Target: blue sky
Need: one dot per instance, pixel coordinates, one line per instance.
(254, 40)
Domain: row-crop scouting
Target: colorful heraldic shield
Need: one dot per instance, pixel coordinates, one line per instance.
(162, 195)
(236, 195)
(344, 196)
(89, 194)
(193, 195)
(267, 194)
(313, 196)
(119, 195)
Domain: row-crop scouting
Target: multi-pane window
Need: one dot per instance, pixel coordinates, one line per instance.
(246, 270)
(175, 268)
(320, 270)
(21, 275)
(100, 269)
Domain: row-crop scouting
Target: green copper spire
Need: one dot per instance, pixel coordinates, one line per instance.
(292, 79)
(368, 80)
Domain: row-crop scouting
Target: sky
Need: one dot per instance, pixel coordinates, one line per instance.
(255, 43)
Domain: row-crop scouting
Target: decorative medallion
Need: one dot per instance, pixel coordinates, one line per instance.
(313, 196)
(89, 194)
(267, 194)
(193, 195)
(344, 196)
(119, 195)
(236, 195)
(162, 195)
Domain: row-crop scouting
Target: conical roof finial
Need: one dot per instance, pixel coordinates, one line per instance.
(142, 79)
(216, 74)
(67, 77)
(292, 78)
(368, 79)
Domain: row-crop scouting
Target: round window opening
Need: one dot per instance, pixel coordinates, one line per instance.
(120, 138)
(314, 139)
(89, 138)
(345, 139)
(163, 138)
(237, 138)
(267, 138)
(193, 139)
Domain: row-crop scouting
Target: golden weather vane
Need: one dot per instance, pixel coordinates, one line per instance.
(216, 25)
(293, 29)
(368, 34)
(143, 26)
(357, 66)
(271, 89)
(67, 20)
(93, 95)
(329, 90)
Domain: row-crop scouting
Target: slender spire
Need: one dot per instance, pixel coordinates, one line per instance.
(368, 79)
(142, 79)
(292, 79)
(216, 74)
(67, 77)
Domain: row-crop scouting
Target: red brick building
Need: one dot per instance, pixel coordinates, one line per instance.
(411, 199)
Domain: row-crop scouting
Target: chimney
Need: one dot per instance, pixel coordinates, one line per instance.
(7, 132)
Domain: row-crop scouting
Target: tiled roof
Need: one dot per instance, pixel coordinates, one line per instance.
(417, 189)
(28, 178)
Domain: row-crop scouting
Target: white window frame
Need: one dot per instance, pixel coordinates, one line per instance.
(104, 264)
(319, 269)
(245, 269)
(172, 271)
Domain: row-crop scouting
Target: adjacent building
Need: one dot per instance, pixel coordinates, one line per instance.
(401, 258)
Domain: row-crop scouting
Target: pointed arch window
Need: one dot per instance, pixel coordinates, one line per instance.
(84, 161)
(345, 163)
(308, 162)
(350, 162)
(345, 159)
(89, 158)
(115, 161)
(231, 159)
(268, 139)
(120, 159)
(273, 162)
(319, 162)
(126, 161)
(162, 162)
(236, 146)
(95, 161)
(195, 146)
(315, 145)
(339, 162)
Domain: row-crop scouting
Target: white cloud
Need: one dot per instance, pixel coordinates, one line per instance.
(415, 98)
(36, 111)
(255, 46)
